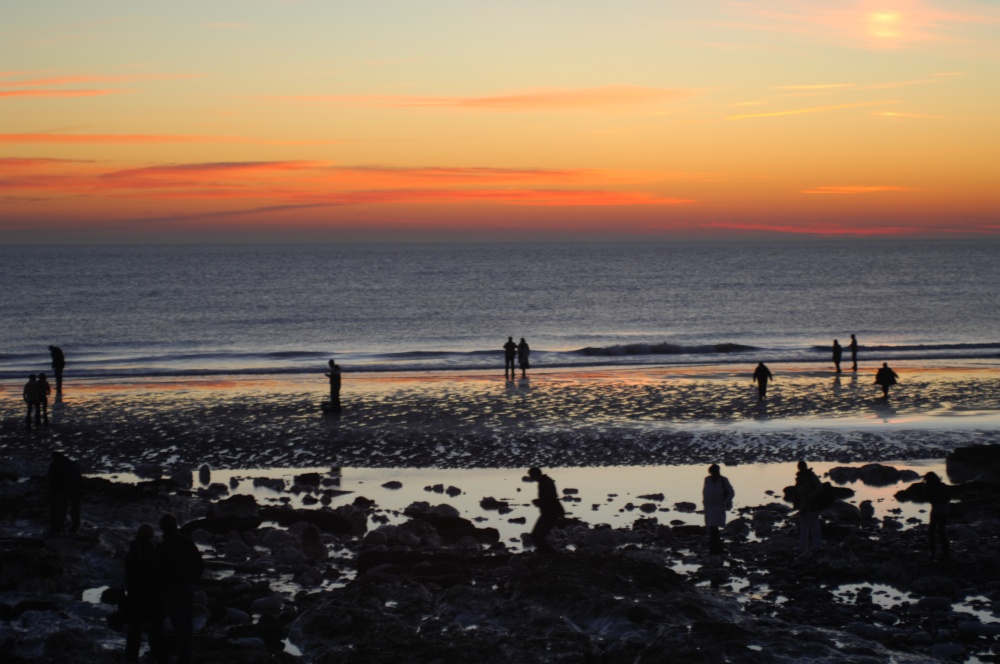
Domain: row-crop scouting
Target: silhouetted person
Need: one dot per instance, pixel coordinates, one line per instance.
(716, 497)
(522, 356)
(760, 376)
(44, 390)
(853, 347)
(509, 353)
(179, 564)
(939, 496)
(143, 597)
(334, 377)
(65, 492)
(807, 491)
(551, 509)
(885, 377)
(838, 352)
(30, 394)
(58, 364)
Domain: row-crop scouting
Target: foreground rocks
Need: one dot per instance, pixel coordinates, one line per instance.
(344, 585)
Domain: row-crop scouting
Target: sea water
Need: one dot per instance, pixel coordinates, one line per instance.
(243, 309)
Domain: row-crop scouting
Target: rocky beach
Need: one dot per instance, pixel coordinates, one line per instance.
(418, 498)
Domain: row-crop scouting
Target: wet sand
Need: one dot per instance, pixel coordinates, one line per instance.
(558, 418)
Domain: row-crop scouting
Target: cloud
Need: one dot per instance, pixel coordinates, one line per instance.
(74, 79)
(850, 190)
(128, 139)
(608, 97)
(814, 109)
(819, 86)
(58, 93)
(283, 183)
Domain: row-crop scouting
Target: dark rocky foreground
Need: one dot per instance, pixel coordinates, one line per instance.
(434, 587)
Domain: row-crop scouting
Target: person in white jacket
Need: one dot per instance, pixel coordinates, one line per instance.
(716, 497)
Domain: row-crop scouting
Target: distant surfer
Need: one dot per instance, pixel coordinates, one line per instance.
(522, 356)
(885, 377)
(853, 347)
(509, 353)
(838, 352)
(334, 377)
(760, 376)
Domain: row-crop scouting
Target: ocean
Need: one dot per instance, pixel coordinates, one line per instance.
(147, 311)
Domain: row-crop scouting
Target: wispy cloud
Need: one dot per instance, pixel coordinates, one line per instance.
(57, 93)
(814, 109)
(600, 98)
(296, 183)
(851, 190)
(129, 139)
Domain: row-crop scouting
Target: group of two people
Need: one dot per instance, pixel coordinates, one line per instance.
(37, 389)
(519, 351)
(884, 377)
(159, 582)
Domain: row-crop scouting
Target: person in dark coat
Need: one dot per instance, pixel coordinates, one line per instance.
(550, 507)
(58, 364)
(853, 347)
(509, 353)
(760, 376)
(179, 565)
(522, 356)
(807, 491)
(143, 597)
(939, 496)
(65, 491)
(334, 377)
(838, 352)
(30, 394)
(886, 377)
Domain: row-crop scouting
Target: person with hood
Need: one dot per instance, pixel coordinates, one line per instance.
(716, 498)
(522, 356)
(58, 364)
(886, 377)
(838, 352)
(334, 377)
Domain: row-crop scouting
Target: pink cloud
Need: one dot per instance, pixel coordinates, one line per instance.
(814, 109)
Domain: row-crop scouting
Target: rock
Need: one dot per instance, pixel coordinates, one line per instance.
(938, 586)
(453, 491)
(491, 503)
(885, 617)
(648, 508)
(977, 628)
(205, 474)
(240, 506)
(149, 471)
(272, 483)
(947, 650)
(308, 480)
(685, 507)
(271, 604)
(236, 617)
(393, 485)
(976, 462)
(933, 603)
(251, 642)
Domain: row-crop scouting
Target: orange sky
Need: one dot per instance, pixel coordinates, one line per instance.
(299, 120)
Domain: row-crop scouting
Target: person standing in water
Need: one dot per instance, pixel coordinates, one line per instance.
(30, 394)
(807, 491)
(716, 498)
(44, 390)
(551, 509)
(838, 352)
(853, 346)
(509, 353)
(58, 364)
(522, 356)
(334, 377)
(760, 376)
(885, 377)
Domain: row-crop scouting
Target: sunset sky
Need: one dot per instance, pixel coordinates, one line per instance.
(195, 120)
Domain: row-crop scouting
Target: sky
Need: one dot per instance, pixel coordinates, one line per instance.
(324, 120)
